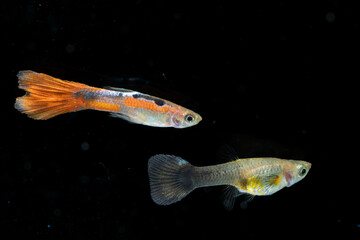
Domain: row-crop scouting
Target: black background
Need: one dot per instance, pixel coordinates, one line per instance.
(269, 78)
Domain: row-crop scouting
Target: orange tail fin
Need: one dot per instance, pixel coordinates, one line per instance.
(46, 96)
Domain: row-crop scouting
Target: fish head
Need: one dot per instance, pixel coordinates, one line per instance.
(184, 118)
(295, 171)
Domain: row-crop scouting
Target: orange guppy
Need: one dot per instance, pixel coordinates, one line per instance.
(48, 97)
(172, 178)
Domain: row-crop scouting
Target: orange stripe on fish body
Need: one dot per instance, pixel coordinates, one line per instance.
(103, 106)
(100, 99)
(147, 102)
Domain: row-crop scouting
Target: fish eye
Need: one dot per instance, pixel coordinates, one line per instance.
(189, 118)
(302, 172)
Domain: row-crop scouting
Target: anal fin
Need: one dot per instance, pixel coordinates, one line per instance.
(229, 195)
(121, 115)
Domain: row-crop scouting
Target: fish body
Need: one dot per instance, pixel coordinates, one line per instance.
(48, 97)
(172, 178)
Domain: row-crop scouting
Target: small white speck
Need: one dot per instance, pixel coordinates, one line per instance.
(181, 161)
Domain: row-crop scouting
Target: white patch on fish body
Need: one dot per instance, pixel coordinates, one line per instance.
(130, 94)
(181, 161)
(123, 91)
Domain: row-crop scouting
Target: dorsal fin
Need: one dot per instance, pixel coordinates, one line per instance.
(226, 153)
(124, 90)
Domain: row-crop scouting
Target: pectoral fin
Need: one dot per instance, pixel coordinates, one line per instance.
(271, 183)
(271, 180)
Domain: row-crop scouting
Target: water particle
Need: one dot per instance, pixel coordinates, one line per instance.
(85, 146)
(48, 226)
(70, 48)
(330, 17)
(177, 16)
(84, 179)
(125, 28)
(122, 229)
(27, 166)
(57, 212)
(151, 63)
(244, 205)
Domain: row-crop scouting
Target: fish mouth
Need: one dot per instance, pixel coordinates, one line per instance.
(199, 118)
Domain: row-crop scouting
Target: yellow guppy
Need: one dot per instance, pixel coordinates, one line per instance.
(172, 178)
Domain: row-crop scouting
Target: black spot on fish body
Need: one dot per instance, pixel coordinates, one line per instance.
(136, 96)
(157, 101)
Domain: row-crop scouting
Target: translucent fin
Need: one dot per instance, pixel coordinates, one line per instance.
(270, 182)
(272, 179)
(226, 153)
(229, 195)
(47, 96)
(170, 178)
(128, 118)
(119, 89)
(120, 115)
(248, 198)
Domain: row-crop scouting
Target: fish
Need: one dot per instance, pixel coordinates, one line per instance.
(172, 178)
(47, 97)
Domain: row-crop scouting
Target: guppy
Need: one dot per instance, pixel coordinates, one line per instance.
(48, 97)
(172, 178)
